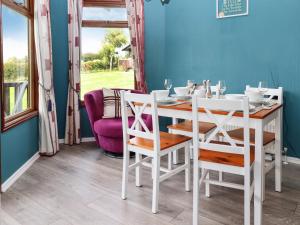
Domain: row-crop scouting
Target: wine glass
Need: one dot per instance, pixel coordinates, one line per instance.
(222, 86)
(190, 85)
(168, 84)
(262, 87)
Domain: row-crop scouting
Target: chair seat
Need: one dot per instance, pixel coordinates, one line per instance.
(238, 134)
(204, 127)
(166, 141)
(225, 158)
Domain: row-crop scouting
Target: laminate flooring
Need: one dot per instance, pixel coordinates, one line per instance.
(82, 186)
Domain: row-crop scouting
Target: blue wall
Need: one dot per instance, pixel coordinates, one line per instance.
(59, 23)
(262, 46)
(18, 145)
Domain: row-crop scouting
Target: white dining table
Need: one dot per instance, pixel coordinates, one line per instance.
(258, 121)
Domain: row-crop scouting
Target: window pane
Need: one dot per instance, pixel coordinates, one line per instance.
(15, 62)
(106, 59)
(113, 14)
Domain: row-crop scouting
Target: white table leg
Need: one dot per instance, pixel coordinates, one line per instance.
(278, 150)
(138, 175)
(258, 172)
(175, 153)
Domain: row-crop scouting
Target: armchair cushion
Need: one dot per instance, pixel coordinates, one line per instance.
(112, 104)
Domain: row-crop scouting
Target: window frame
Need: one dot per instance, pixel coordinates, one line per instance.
(14, 120)
(103, 23)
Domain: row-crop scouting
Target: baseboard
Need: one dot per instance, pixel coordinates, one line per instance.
(293, 160)
(13, 178)
(83, 140)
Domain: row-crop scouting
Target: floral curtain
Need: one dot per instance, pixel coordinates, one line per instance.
(72, 132)
(47, 108)
(135, 9)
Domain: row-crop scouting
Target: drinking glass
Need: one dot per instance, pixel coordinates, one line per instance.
(190, 83)
(168, 84)
(222, 86)
(263, 86)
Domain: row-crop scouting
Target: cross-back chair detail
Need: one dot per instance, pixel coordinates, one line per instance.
(221, 156)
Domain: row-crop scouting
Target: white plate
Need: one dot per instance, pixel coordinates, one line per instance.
(234, 96)
(166, 101)
(181, 97)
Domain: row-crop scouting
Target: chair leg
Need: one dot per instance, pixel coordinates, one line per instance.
(191, 152)
(188, 169)
(138, 175)
(170, 161)
(156, 175)
(263, 183)
(196, 190)
(207, 185)
(278, 169)
(247, 199)
(125, 173)
(220, 176)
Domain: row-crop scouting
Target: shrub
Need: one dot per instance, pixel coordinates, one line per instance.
(93, 65)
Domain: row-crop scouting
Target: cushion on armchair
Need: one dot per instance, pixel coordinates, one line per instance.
(112, 104)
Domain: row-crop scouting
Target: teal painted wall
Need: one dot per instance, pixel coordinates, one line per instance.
(18, 145)
(59, 23)
(262, 46)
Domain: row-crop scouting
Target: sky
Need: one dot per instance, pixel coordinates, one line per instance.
(92, 38)
(15, 32)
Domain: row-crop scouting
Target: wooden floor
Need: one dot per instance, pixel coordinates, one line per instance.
(82, 186)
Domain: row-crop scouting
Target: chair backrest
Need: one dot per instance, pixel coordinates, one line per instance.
(271, 93)
(138, 103)
(210, 106)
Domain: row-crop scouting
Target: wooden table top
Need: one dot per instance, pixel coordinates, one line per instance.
(258, 115)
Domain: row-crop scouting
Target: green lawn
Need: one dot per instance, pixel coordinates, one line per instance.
(92, 81)
(109, 79)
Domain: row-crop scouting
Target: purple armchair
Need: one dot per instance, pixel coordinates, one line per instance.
(108, 132)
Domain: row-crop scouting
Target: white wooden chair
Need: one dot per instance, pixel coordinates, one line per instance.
(228, 156)
(268, 140)
(151, 144)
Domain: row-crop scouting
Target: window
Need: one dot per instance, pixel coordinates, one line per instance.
(17, 63)
(106, 59)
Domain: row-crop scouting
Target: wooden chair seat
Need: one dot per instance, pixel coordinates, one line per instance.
(238, 134)
(166, 141)
(204, 127)
(225, 158)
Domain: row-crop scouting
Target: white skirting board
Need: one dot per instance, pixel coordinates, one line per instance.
(85, 139)
(13, 178)
(293, 160)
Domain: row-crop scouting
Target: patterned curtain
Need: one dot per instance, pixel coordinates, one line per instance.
(72, 132)
(135, 10)
(47, 108)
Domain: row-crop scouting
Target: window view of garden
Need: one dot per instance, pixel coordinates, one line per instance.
(15, 62)
(106, 59)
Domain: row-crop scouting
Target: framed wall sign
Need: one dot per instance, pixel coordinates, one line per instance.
(231, 8)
